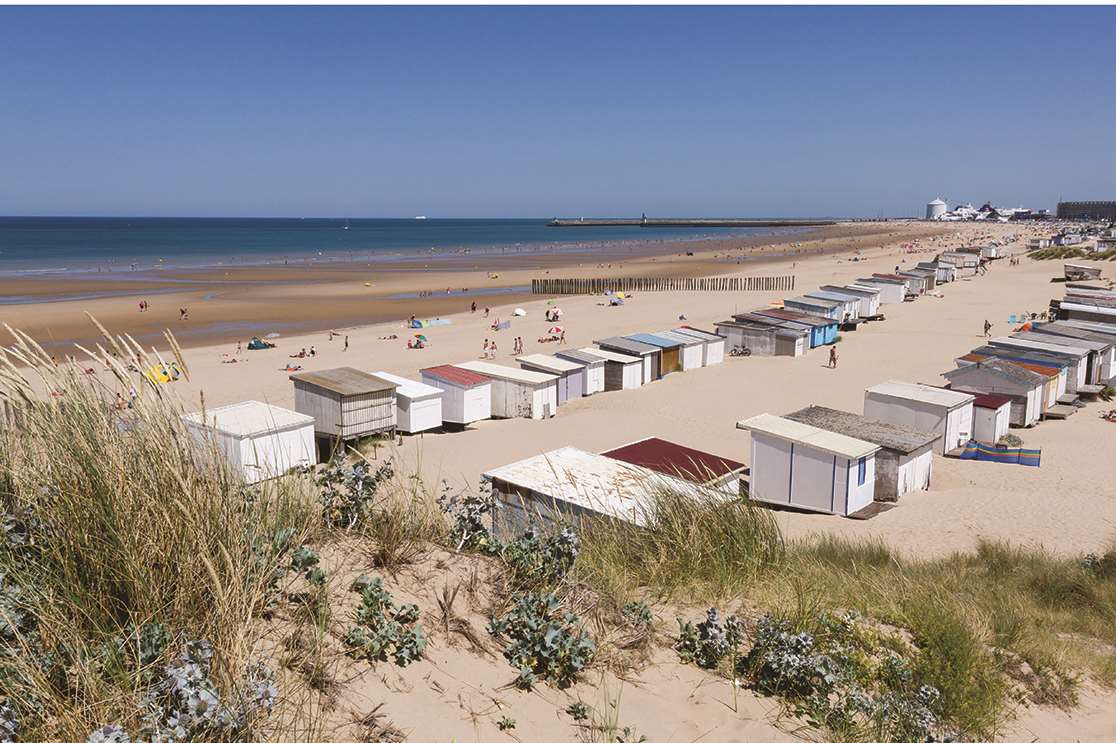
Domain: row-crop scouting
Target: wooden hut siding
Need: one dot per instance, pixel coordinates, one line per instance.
(923, 408)
(758, 339)
(593, 370)
(621, 372)
(1025, 389)
(989, 424)
(822, 308)
(518, 393)
(713, 351)
(891, 292)
(651, 355)
(466, 398)
(257, 440)
(346, 416)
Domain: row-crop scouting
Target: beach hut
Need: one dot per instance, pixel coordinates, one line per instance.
(571, 376)
(928, 275)
(905, 461)
(924, 408)
(518, 393)
(1080, 271)
(850, 306)
(822, 330)
(668, 458)
(671, 350)
(1077, 359)
(1107, 343)
(1023, 387)
(621, 371)
(826, 308)
(892, 291)
(594, 367)
(346, 403)
(713, 345)
(1056, 368)
(913, 286)
(467, 396)
(943, 272)
(652, 356)
(418, 406)
(809, 468)
(692, 352)
(770, 338)
(991, 414)
(868, 299)
(1098, 353)
(1084, 309)
(964, 264)
(257, 440)
(569, 485)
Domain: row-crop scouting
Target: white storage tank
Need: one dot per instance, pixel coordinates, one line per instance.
(935, 209)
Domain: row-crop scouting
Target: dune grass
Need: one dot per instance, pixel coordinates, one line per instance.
(119, 530)
(1000, 621)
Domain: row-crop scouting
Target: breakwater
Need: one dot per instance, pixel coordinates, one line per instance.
(657, 284)
(646, 222)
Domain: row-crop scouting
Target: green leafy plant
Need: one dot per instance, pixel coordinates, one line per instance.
(710, 641)
(305, 561)
(637, 614)
(579, 710)
(537, 561)
(347, 493)
(544, 643)
(383, 629)
(505, 723)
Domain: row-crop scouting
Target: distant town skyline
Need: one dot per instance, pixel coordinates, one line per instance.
(542, 112)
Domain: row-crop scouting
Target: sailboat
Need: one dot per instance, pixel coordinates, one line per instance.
(421, 216)
(346, 225)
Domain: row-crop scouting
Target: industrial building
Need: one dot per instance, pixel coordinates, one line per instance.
(1094, 210)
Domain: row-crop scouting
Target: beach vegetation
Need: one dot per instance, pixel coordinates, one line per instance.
(543, 642)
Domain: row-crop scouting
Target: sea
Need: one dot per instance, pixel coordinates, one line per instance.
(32, 246)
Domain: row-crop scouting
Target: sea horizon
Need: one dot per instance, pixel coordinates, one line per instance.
(97, 245)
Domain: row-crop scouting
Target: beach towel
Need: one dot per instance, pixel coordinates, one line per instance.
(988, 453)
(506, 324)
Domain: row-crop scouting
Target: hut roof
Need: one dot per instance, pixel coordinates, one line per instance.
(683, 338)
(551, 364)
(1082, 306)
(1064, 341)
(990, 401)
(455, 375)
(881, 279)
(1092, 326)
(582, 357)
(802, 433)
(1048, 348)
(815, 302)
(655, 340)
(675, 460)
(510, 373)
(249, 418)
(620, 358)
(627, 345)
(833, 296)
(772, 325)
(1069, 331)
(344, 380)
(799, 317)
(704, 335)
(887, 435)
(598, 483)
(1007, 369)
(1046, 371)
(410, 388)
(851, 291)
(922, 393)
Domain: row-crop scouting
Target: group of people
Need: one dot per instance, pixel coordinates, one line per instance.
(302, 353)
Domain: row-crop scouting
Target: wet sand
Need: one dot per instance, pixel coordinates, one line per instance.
(233, 303)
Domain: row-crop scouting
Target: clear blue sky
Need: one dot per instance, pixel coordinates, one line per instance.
(537, 112)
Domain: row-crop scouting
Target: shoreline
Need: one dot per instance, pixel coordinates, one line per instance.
(235, 302)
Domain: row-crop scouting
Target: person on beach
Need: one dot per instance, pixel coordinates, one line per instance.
(484, 351)
(473, 308)
(346, 348)
(313, 352)
(833, 357)
(238, 348)
(987, 328)
(486, 312)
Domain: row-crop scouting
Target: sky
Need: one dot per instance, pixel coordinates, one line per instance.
(537, 112)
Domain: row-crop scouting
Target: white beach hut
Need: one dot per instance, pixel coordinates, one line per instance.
(346, 403)
(259, 441)
(622, 372)
(518, 393)
(991, 415)
(892, 291)
(418, 406)
(868, 298)
(594, 369)
(571, 376)
(713, 345)
(467, 396)
(569, 485)
(905, 460)
(801, 466)
(692, 352)
(1077, 359)
(923, 408)
(1023, 387)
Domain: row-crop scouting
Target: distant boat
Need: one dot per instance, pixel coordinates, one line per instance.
(421, 216)
(346, 225)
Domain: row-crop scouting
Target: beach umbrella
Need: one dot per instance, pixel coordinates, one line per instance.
(519, 312)
(556, 330)
(421, 337)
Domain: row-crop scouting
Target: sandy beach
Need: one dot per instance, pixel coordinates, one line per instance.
(228, 303)
(1067, 505)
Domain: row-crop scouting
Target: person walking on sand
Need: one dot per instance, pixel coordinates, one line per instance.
(238, 348)
(346, 348)
(833, 357)
(987, 328)
(484, 351)
(473, 308)
(486, 312)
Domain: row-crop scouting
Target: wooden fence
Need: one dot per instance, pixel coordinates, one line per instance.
(654, 284)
